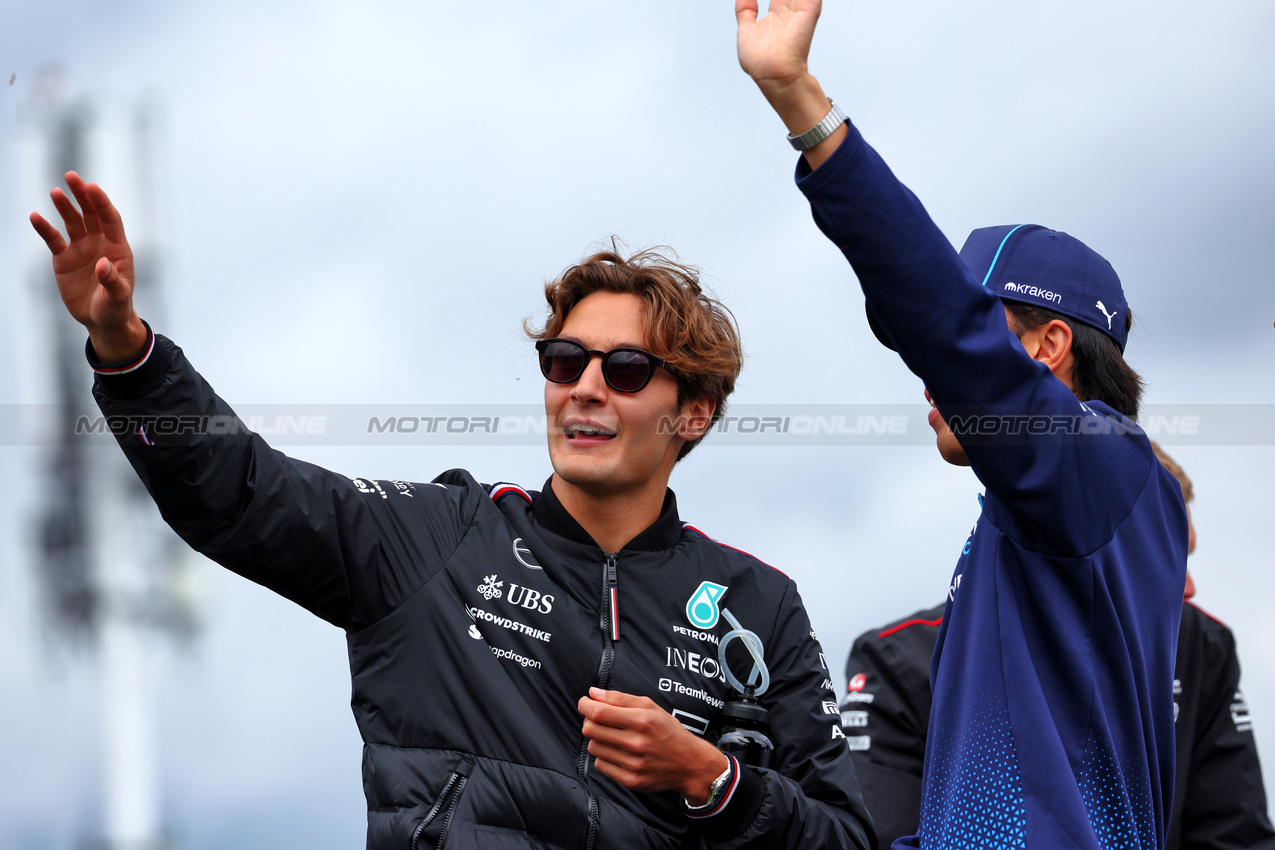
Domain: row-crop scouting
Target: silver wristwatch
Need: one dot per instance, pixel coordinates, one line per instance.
(715, 790)
(816, 134)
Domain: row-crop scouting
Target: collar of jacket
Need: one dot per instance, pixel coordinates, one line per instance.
(662, 534)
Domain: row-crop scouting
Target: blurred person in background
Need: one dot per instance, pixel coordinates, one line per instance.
(1219, 801)
(483, 620)
(1052, 721)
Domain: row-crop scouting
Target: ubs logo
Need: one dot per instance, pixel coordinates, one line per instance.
(517, 594)
(532, 600)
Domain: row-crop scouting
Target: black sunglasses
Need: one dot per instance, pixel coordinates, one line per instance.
(625, 370)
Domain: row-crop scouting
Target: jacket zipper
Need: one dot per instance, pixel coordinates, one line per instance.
(609, 623)
(611, 600)
(449, 797)
(594, 822)
(447, 819)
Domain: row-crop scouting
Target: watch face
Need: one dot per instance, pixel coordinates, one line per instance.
(715, 789)
(720, 782)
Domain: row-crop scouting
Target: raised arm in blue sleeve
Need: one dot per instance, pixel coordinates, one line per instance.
(953, 334)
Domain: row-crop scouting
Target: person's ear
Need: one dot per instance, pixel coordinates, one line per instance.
(1051, 344)
(694, 418)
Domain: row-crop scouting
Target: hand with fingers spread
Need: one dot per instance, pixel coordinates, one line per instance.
(643, 747)
(773, 50)
(94, 269)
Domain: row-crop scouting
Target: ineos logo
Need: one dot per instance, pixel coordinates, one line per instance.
(523, 555)
(704, 665)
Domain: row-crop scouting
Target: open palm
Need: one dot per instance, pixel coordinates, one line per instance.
(94, 264)
(775, 48)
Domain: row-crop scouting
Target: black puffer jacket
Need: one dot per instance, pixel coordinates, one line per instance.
(477, 617)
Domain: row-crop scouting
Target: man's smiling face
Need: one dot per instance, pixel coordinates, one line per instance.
(603, 441)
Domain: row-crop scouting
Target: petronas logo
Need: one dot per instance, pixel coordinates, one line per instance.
(701, 608)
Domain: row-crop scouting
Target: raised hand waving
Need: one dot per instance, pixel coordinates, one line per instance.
(773, 49)
(94, 268)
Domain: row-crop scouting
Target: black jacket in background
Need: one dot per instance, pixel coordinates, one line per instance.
(476, 617)
(1219, 801)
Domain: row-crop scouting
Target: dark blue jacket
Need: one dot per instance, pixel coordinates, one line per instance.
(1052, 721)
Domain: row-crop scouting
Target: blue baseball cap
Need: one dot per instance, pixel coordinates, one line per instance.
(1048, 268)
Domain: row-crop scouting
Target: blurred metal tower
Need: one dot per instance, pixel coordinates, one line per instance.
(112, 576)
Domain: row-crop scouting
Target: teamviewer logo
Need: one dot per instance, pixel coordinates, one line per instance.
(666, 684)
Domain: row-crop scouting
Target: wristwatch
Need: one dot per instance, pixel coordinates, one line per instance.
(716, 790)
(816, 134)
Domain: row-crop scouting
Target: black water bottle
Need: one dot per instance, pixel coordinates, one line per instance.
(744, 731)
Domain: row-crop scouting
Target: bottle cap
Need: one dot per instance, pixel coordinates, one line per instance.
(744, 709)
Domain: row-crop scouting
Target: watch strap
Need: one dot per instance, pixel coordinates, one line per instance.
(825, 128)
(717, 791)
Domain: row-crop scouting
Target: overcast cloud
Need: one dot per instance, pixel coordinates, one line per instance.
(363, 199)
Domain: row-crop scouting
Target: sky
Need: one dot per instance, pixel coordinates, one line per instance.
(360, 203)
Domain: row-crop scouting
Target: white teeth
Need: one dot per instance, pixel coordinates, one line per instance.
(588, 431)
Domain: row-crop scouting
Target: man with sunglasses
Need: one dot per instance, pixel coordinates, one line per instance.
(1052, 713)
(483, 621)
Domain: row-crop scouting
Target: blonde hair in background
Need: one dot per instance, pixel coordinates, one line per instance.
(1188, 492)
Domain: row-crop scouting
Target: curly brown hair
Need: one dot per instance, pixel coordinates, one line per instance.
(693, 333)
